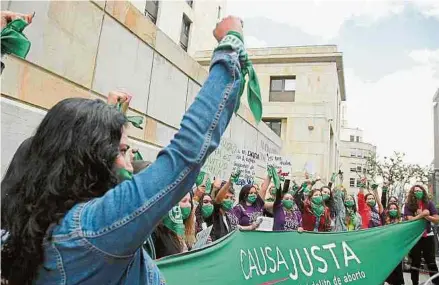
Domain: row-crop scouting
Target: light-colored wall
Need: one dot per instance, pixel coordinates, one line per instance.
(346, 133)
(85, 49)
(203, 14)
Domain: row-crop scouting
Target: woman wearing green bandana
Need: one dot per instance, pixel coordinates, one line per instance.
(187, 213)
(287, 216)
(352, 219)
(371, 215)
(316, 216)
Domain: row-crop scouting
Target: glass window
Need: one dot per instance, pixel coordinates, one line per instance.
(352, 138)
(276, 85)
(352, 182)
(275, 126)
(358, 139)
(151, 10)
(290, 85)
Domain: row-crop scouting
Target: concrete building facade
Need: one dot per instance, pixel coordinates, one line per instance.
(88, 48)
(188, 23)
(302, 89)
(353, 157)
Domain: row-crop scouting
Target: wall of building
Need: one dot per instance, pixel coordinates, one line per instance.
(346, 133)
(353, 154)
(87, 48)
(203, 14)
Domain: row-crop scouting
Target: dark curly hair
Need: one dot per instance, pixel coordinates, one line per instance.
(70, 160)
(412, 202)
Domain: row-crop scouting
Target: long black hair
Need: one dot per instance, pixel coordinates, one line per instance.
(70, 160)
(245, 190)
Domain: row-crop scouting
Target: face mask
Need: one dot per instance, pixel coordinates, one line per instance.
(123, 174)
(174, 221)
(419, 195)
(317, 209)
(318, 200)
(288, 204)
(207, 210)
(227, 204)
(393, 213)
(185, 212)
(349, 203)
(251, 198)
(325, 197)
(371, 203)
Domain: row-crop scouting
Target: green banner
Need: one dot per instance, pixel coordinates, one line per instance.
(362, 257)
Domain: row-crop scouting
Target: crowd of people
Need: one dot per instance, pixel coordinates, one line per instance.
(79, 205)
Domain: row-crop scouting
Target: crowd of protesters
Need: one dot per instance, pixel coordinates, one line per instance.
(79, 205)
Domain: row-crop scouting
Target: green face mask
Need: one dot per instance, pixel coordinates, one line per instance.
(318, 200)
(207, 210)
(325, 197)
(124, 174)
(174, 221)
(288, 204)
(317, 209)
(227, 204)
(273, 191)
(419, 195)
(251, 198)
(371, 203)
(349, 203)
(185, 212)
(393, 213)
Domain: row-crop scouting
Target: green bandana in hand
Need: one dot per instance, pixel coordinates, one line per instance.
(334, 175)
(185, 212)
(12, 39)
(374, 186)
(393, 213)
(288, 204)
(235, 177)
(251, 198)
(227, 204)
(200, 178)
(207, 210)
(174, 221)
(233, 40)
(208, 185)
(136, 121)
(274, 176)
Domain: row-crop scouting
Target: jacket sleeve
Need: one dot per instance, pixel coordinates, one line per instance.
(340, 211)
(119, 222)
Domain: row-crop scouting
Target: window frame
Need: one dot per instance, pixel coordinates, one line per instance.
(350, 182)
(148, 13)
(269, 123)
(185, 22)
(282, 95)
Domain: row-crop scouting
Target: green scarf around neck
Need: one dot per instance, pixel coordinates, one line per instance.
(13, 41)
(234, 41)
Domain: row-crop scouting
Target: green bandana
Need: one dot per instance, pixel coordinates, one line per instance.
(185, 212)
(349, 203)
(138, 156)
(200, 178)
(124, 174)
(385, 188)
(227, 204)
(208, 185)
(136, 121)
(251, 198)
(235, 176)
(374, 186)
(274, 176)
(317, 200)
(288, 204)
(12, 39)
(207, 210)
(371, 203)
(317, 209)
(393, 213)
(333, 177)
(419, 195)
(174, 221)
(235, 41)
(325, 197)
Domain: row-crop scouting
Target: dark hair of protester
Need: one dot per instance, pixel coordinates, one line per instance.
(388, 218)
(14, 172)
(189, 225)
(61, 170)
(245, 190)
(166, 242)
(367, 195)
(330, 202)
(199, 219)
(412, 202)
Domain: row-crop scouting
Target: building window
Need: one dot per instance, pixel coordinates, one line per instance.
(353, 169)
(151, 10)
(190, 3)
(275, 125)
(352, 182)
(359, 168)
(282, 89)
(358, 139)
(353, 153)
(352, 138)
(185, 29)
(359, 153)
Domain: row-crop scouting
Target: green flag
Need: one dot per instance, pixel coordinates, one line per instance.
(364, 257)
(13, 40)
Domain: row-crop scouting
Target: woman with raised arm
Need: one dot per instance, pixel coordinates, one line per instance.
(316, 216)
(371, 216)
(68, 220)
(287, 216)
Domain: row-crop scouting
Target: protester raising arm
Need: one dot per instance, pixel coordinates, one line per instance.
(340, 210)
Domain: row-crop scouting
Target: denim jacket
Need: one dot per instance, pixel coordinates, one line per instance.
(100, 241)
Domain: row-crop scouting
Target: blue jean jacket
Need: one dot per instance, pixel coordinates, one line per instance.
(100, 242)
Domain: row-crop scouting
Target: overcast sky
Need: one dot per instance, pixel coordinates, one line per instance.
(391, 60)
